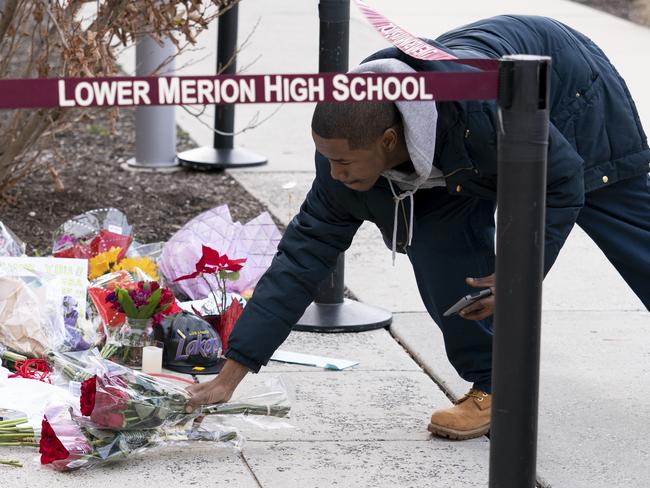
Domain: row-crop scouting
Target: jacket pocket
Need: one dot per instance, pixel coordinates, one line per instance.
(574, 106)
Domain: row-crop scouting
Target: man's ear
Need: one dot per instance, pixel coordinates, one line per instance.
(389, 139)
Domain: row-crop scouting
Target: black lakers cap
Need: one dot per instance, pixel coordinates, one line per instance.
(192, 346)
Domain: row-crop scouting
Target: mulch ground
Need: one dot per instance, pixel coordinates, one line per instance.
(88, 156)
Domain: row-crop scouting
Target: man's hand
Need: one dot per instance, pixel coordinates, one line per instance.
(218, 390)
(484, 307)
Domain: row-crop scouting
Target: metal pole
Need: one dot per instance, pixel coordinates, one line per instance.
(333, 56)
(224, 115)
(522, 153)
(330, 312)
(223, 154)
(155, 127)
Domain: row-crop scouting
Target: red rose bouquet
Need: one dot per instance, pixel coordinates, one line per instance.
(68, 443)
(118, 398)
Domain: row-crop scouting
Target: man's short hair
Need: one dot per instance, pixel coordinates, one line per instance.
(361, 123)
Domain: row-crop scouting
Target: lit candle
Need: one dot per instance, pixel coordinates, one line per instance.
(152, 359)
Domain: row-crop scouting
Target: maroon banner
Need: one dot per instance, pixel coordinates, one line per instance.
(272, 88)
(398, 37)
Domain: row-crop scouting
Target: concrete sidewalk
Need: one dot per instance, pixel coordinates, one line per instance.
(366, 427)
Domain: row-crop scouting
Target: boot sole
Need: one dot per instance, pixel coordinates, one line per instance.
(458, 435)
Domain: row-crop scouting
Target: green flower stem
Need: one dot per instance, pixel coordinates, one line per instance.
(18, 443)
(12, 357)
(242, 408)
(11, 462)
(69, 369)
(12, 422)
(17, 430)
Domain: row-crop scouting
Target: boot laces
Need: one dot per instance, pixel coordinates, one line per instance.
(473, 393)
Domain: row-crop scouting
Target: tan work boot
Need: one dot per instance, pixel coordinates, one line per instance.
(469, 418)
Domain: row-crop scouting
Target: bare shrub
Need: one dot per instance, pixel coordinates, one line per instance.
(48, 38)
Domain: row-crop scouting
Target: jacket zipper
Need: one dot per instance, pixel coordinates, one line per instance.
(456, 171)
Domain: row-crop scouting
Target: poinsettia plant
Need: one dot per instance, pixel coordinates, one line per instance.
(221, 267)
(146, 299)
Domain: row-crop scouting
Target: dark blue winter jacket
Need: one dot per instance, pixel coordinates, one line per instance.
(595, 139)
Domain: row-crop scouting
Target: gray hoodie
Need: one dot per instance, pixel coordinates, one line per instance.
(419, 120)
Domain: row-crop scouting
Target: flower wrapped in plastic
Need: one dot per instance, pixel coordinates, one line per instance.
(256, 241)
(112, 260)
(10, 245)
(69, 443)
(92, 233)
(31, 313)
(144, 304)
(119, 398)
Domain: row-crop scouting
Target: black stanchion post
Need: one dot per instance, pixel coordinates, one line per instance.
(223, 154)
(330, 312)
(523, 125)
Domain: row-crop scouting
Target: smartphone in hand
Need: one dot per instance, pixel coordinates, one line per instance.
(467, 300)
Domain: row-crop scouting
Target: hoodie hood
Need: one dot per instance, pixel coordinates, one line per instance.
(419, 120)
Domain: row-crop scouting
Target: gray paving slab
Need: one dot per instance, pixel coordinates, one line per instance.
(583, 279)
(354, 405)
(190, 465)
(595, 379)
(375, 350)
(594, 409)
(420, 335)
(431, 464)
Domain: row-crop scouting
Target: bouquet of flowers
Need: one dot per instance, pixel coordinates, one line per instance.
(92, 233)
(17, 432)
(72, 366)
(118, 398)
(113, 260)
(143, 304)
(68, 443)
(213, 267)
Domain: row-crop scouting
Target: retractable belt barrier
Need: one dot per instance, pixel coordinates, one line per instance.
(123, 91)
(269, 88)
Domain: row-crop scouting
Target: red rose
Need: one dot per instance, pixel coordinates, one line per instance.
(107, 419)
(50, 446)
(106, 399)
(87, 399)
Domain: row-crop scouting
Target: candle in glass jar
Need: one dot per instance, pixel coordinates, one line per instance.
(152, 359)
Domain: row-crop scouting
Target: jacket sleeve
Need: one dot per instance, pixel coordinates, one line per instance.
(565, 193)
(306, 254)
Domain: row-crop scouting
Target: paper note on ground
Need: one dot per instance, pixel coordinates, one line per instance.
(73, 274)
(311, 360)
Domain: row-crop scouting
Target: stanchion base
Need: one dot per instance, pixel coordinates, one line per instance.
(349, 316)
(208, 158)
(135, 166)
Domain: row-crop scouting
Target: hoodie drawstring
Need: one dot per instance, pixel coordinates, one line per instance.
(398, 198)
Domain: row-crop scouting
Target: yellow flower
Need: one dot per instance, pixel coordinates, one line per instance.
(145, 263)
(103, 263)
